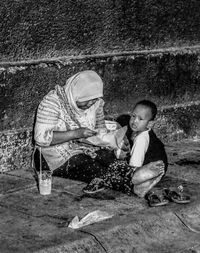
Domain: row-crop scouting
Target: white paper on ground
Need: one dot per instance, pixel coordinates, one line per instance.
(90, 218)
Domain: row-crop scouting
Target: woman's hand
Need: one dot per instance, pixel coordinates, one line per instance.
(84, 132)
(71, 135)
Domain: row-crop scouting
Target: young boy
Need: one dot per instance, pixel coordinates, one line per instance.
(146, 146)
(148, 159)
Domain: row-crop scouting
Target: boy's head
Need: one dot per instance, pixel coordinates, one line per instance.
(143, 112)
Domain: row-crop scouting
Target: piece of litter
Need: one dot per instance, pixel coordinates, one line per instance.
(90, 218)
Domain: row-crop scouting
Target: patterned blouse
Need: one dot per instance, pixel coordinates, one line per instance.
(55, 114)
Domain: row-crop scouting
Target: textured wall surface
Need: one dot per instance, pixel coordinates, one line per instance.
(56, 27)
(166, 79)
(15, 149)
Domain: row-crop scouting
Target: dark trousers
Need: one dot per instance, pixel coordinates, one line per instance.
(84, 168)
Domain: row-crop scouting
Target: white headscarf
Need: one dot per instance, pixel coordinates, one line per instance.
(84, 86)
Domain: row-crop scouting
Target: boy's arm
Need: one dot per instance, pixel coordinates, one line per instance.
(138, 151)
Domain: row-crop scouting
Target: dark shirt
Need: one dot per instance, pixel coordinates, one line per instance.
(156, 150)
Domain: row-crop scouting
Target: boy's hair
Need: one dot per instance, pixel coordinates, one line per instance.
(150, 105)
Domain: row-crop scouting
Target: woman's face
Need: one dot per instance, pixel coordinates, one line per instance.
(86, 104)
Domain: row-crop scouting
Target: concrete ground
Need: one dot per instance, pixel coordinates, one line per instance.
(31, 222)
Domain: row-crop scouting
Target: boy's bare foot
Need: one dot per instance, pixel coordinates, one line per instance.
(148, 171)
(156, 167)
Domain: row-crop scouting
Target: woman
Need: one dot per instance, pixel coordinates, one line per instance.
(65, 117)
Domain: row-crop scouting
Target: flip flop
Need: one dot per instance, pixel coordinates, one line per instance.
(177, 196)
(157, 198)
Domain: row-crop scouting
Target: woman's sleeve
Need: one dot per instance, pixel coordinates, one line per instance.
(46, 120)
(100, 121)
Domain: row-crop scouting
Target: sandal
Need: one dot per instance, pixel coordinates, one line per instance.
(157, 198)
(176, 195)
(96, 185)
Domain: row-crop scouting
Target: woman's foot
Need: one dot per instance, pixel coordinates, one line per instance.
(96, 185)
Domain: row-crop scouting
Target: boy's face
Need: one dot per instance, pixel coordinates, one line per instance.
(140, 118)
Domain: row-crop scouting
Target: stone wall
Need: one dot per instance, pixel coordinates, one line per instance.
(34, 28)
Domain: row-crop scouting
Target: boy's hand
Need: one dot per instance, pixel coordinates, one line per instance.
(126, 145)
(133, 135)
(123, 149)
